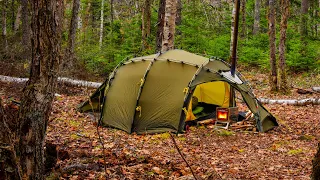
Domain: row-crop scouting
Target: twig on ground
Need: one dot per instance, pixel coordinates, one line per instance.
(175, 144)
(77, 166)
(100, 139)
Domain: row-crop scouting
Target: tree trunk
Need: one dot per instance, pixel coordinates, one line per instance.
(111, 13)
(101, 24)
(244, 24)
(161, 15)
(4, 24)
(86, 20)
(169, 27)
(25, 24)
(256, 23)
(12, 14)
(146, 23)
(73, 27)
(272, 44)
(316, 165)
(17, 20)
(9, 168)
(232, 26)
(47, 18)
(179, 15)
(283, 87)
(304, 19)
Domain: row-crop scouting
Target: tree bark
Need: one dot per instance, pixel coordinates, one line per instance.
(86, 20)
(244, 24)
(17, 20)
(256, 23)
(283, 87)
(73, 27)
(272, 44)
(161, 15)
(12, 10)
(304, 19)
(301, 102)
(316, 165)
(111, 13)
(169, 27)
(25, 24)
(9, 168)
(101, 23)
(232, 26)
(39, 92)
(179, 15)
(4, 24)
(146, 23)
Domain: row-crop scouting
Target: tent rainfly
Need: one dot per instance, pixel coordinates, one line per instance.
(152, 94)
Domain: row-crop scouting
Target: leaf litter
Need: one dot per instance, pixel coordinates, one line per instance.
(285, 152)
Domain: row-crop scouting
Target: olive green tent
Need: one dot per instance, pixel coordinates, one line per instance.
(152, 94)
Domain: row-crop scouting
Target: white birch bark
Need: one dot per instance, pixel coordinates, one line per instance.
(17, 20)
(63, 80)
(301, 102)
(316, 89)
(101, 24)
(232, 25)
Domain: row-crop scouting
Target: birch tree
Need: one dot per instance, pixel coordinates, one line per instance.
(17, 20)
(232, 25)
(101, 24)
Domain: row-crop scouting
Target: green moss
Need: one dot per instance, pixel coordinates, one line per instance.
(182, 138)
(306, 137)
(223, 132)
(295, 151)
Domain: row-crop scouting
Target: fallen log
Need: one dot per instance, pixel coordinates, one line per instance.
(301, 102)
(234, 127)
(316, 89)
(63, 80)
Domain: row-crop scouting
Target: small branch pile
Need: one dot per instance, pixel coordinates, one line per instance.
(248, 124)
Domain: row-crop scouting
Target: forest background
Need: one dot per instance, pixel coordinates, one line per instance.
(107, 32)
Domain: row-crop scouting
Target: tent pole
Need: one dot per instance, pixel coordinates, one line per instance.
(234, 50)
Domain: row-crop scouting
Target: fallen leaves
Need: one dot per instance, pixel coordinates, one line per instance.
(283, 153)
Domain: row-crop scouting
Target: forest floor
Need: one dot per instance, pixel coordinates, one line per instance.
(285, 152)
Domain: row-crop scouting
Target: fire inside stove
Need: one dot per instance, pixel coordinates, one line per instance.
(222, 114)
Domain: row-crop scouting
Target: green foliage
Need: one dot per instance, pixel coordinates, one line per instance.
(295, 151)
(205, 29)
(223, 132)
